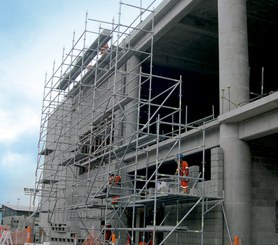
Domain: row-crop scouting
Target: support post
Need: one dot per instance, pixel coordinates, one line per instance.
(237, 182)
(233, 54)
(132, 91)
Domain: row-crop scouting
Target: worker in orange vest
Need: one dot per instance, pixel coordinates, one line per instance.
(142, 241)
(151, 239)
(183, 171)
(108, 232)
(115, 180)
(236, 240)
(128, 242)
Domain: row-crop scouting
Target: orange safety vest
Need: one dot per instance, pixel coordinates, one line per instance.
(184, 170)
(115, 199)
(115, 179)
(142, 243)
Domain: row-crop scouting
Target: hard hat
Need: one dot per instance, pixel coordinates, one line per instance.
(179, 156)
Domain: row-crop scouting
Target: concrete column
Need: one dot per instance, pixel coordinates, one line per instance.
(132, 91)
(233, 54)
(237, 182)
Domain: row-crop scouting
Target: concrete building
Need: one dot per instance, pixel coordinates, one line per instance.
(1, 214)
(16, 216)
(190, 77)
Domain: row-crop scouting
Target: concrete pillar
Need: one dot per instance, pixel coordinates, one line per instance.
(237, 182)
(132, 91)
(233, 54)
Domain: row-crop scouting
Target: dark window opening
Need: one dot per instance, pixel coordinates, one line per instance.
(199, 94)
(262, 47)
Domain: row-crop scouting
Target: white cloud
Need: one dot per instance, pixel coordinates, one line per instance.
(22, 81)
(17, 172)
(19, 167)
(14, 160)
(15, 123)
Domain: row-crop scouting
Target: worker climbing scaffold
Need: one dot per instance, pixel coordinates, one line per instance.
(104, 48)
(114, 180)
(183, 172)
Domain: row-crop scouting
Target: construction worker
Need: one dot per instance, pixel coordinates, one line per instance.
(104, 48)
(142, 238)
(183, 171)
(151, 239)
(115, 200)
(115, 180)
(128, 242)
(236, 240)
(108, 232)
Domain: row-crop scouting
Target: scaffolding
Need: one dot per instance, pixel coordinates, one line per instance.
(109, 129)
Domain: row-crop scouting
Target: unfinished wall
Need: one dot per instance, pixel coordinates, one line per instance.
(264, 200)
(214, 226)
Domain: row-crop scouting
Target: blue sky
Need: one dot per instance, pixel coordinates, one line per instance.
(33, 34)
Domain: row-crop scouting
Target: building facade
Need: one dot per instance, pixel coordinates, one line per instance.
(190, 80)
(1, 214)
(15, 216)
